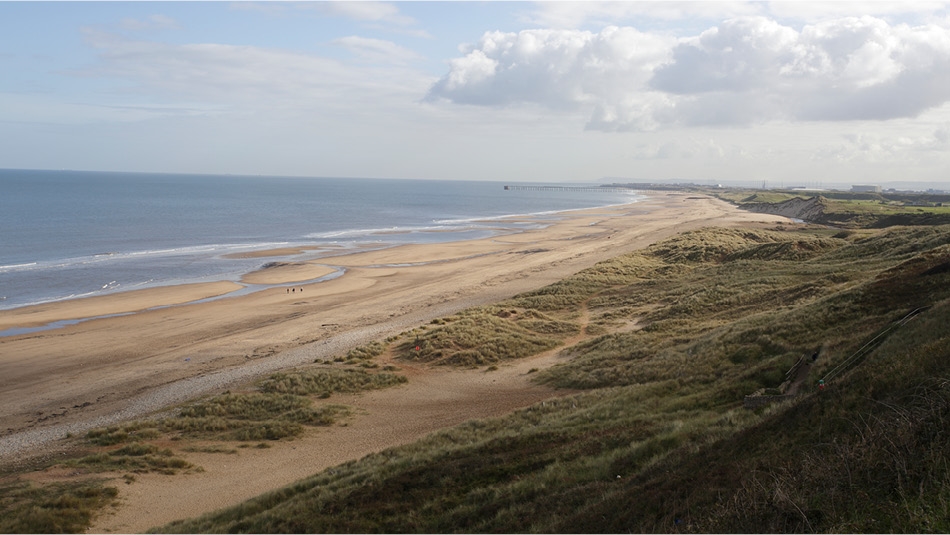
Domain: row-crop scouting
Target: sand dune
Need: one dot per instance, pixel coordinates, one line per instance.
(111, 369)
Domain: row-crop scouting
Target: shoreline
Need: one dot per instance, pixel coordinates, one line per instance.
(56, 314)
(288, 252)
(283, 272)
(99, 306)
(107, 370)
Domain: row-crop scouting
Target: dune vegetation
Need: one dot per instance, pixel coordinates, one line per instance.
(850, 209)
(664, 349)
(669, 342)
(278, 407)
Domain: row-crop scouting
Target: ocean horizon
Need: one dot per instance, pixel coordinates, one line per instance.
(74, 234)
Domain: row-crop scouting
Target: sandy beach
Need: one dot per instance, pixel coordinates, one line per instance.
(165, 351)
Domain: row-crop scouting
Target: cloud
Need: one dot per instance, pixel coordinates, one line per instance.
(743, 71)
(567, 14)
(377, 50)
(247, 79)
(876, 149)
(556, 68)
(682, 148)
(380, 12)
(575, 14)
(815, 11)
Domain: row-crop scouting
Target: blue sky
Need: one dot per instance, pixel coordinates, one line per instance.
(783, 93)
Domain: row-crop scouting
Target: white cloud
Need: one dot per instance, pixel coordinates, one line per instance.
(364, 11)
(377, 50)
(818, 11)
(875, 148)
(249, 76)
(739, 55)
(561, 69)
(574, 14)
(744, 71)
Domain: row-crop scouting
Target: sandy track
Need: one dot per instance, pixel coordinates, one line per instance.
(432, 400)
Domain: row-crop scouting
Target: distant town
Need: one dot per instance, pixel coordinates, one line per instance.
(856, 188)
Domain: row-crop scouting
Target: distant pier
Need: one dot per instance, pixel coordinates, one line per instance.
(566, 188)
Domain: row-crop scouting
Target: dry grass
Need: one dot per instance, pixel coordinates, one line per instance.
(55, 508)
(280, 408)
(484, 336)
(658, 441)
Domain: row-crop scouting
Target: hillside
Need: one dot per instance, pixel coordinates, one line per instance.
(811, 209)
(663, 345)
(845, 209)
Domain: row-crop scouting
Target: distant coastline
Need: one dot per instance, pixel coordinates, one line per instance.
(78, 234)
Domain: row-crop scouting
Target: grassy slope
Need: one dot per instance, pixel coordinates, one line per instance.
(857, 210)
(658, 440)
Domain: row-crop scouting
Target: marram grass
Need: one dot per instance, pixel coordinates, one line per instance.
(26, 507)
(657, 439)
(281, 408)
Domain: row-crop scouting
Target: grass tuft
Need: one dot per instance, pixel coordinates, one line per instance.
(54, 508)
(485, 336)
(327, 381)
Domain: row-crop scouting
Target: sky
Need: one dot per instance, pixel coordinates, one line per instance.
(783, 94)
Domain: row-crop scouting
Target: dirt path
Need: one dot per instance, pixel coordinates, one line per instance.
(434, 398)
(797, 382)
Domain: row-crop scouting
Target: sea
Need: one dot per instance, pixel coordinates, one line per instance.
(72, 234)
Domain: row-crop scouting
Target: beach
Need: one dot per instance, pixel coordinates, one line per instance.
(148, 350)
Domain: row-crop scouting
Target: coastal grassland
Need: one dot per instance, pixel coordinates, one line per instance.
(657, 439)
(134, 457)
(279, 407)
(740, 196)
(880, 213)
(66, 507)
(484, 336)
(854, 210)
(324, 382)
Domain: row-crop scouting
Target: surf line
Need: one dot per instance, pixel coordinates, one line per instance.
(245, 290)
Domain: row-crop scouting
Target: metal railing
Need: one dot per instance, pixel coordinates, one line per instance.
(870, 346)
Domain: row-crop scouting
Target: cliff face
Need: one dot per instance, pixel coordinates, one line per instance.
(813, 211)
(805, 209)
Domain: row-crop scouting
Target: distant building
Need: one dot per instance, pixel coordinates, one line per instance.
(865, 189)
